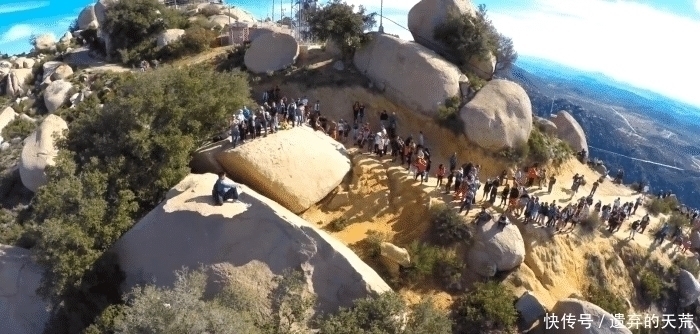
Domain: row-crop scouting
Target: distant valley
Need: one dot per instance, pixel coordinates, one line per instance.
(653, 138)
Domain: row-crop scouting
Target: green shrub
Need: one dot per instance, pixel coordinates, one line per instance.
(678, 219)
(423, 260)
(539, 149)
(661, 205)
(448, 226)
(374, 240)
(210, 10)
(339, 224)
(606, 299)
(475, 81)
(590, 224)
(689, 264)
(448, 115)
(487, 306)
(18, 127)
(448, 269)
(348, 25)
(652, 286)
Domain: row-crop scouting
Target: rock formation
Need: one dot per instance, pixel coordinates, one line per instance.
(576, 308)
(39, 151)
(22, 311)
(296, 168)
(62, 71)
(483, 67)
(570, 131)
(271, 52)
(56, 94)
(548, 126)
(499, 116)
(45, 42)
(16, 80)
(87, 18)
(169, 36)
(688, 288)
(395, 253)
(24, 62)
(393, 64)
(496, 250)
(6, 116)
(188, 230)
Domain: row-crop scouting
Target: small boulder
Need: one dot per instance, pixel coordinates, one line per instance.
(497, 249)
(576, 308)
(6, 116)
(169, 36)
(45, 42)
(392, 63)
(66, 39)
(282, 167)
(395, 253)
(499, 116)
(188, 230)
(39, 151)
(22, 311)
(546, 125)
(49, 68)
(570, 131)
(63, 71)
(271, 52)
(5, 68)
(688, 288)
(56, 94)
(87, 19)
(23, 62)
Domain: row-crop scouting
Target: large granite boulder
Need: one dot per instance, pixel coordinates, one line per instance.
(16, 80)
(188, 230)
(45, 42)
(578, 307)
(570, 131)
(688, 288)
(56, 94)
(39, 151)
(87, 18)
(546, 125)
(22, 311)
(496, 250)
(169, 36)
(271, 52)
(499, 116)
(426, 15)
(297, 168)
(6, 116)
(49, 68)
(408, 72)
(62, 71)
(101, 10)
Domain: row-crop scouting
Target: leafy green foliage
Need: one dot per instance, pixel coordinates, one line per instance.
(606, 299)
(18, 127)
(133, 24)
(196, 40)
(652, 285)
(433, 263)
(448, 226)
(448, 115)
(339, 22)
(661, 205)
(488, 306)
(374, 240)
(384, 315)
(544, 148)
(143, 135)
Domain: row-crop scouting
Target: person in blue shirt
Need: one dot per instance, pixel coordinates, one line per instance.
(224, 190)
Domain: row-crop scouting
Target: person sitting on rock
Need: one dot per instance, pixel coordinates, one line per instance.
(224, 190)
(503, 222)
(483, 216)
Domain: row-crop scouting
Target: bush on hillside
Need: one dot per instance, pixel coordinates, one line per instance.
(339, 22)
(606, 299)
(689, 264)
(448, 226)
(590, 224)
(658, 206)
(384, 315)
(143, 135)
(487, 306)
(678, 219)
(448, 115)
(652, 285)
(339, 224)
(433, 263)
(18, 127)
(195, 40)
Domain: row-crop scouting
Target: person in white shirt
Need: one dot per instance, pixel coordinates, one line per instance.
(378, 142)
(387, 141)
(225, 190)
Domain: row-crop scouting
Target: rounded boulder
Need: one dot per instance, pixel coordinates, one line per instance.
(496, 249)
(499, 116)
(576, 308)
(87, 18)
(56, 94)
(426, 15)
(271, 52)
(39, 151)
(570, 131)
(688, 288)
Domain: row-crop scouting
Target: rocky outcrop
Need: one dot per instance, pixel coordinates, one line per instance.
(499, 116)
(695, 240)
(66, 39)
(688, 288)
(392, 64)
(297, 168)
(101, 10)
(50, 67)
(578, 307)
(45, 42)
(426, 15)
(483, 67)
(6, 116)
(15, 81)
(239, 14)
(87, 18)
(24, 62)
(56, 94)
(271, 52)
(62, 71)
(22, 311)
(169, 36)
(188, 230)
(570, 131)
(546, 125)
(39, 151)
(496, 250)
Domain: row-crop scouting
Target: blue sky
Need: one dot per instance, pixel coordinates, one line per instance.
(645, 43)
(20, 19)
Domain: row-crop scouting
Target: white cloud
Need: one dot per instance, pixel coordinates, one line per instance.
(15, 33)
(628, 41)
(697, 5)
(22, 6)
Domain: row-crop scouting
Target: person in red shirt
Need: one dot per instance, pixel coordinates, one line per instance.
(440, 175)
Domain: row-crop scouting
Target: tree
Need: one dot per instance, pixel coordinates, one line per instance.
(340, 23)
(505, 54)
